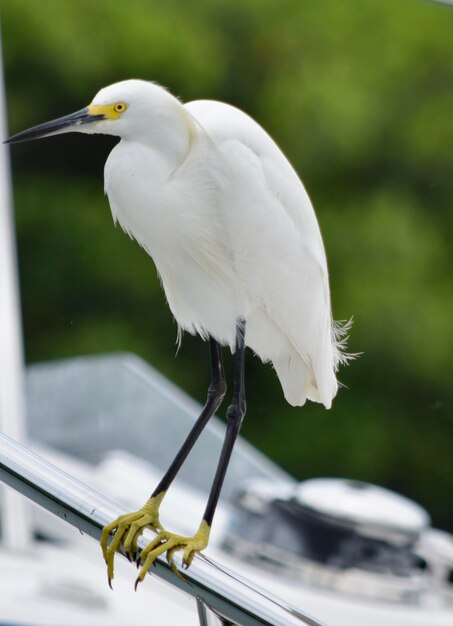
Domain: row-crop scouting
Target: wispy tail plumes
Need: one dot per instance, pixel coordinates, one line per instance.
(340, 336)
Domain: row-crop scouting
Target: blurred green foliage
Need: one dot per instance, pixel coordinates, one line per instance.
(360, 97)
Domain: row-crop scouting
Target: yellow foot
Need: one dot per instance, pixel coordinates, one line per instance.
(127, 529)
(171, 543)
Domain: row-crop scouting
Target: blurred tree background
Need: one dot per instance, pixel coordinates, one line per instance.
(360, 97)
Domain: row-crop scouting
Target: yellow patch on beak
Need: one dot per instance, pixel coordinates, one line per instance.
(109, 111)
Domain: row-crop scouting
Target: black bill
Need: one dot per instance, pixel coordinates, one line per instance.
(60, 125)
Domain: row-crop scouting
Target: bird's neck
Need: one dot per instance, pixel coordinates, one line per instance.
(171, 133)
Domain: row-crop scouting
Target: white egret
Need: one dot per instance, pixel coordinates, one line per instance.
(232, 232)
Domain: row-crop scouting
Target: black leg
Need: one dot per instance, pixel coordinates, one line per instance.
(127, 528)
(235, 416)
(216, 393)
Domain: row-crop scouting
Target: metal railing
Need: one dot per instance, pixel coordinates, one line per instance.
(233, 599)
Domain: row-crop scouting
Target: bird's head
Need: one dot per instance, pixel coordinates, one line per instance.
(129, 109)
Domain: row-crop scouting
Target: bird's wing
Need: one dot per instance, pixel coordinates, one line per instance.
(225, 123)
(278, 250)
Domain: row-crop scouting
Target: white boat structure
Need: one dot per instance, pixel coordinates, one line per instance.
(343, 552)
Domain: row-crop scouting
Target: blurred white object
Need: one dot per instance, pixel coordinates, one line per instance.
(62, 585)
(347, 552)
(378, 511)
(370, 551)
(15, 531)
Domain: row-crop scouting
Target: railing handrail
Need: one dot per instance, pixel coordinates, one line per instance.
(238, 600)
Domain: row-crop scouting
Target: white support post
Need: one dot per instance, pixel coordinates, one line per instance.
(14, 509)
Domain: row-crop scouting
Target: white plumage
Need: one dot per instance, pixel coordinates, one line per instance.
(235, 240)
(230, 227)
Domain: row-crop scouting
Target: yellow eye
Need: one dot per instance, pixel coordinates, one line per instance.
(119, 107)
